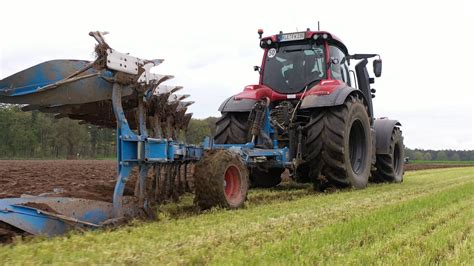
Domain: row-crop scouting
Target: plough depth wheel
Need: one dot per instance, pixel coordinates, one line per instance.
(221, 179)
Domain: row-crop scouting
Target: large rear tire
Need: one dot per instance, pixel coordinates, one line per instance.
(390, 167)
(221, 179)
(339, 146)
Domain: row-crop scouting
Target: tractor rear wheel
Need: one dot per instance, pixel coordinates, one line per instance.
(339, 146)
(390, 167)
(221, 179)
(232, 128)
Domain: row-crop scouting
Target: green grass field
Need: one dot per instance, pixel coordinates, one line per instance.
(428, 219)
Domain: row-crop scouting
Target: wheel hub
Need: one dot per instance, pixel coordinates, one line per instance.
(357, 144)
(232, 184)
(397, 166)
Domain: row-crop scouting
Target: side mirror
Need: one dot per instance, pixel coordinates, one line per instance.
(256, 68)
(378, 67)
(344, 59)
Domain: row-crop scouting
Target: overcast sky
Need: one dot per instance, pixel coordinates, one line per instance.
(211, 46)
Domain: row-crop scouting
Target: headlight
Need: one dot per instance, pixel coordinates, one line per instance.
(269, 42)
(315, 36)
(325, 36)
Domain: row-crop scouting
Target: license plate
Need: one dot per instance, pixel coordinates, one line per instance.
(291, 36)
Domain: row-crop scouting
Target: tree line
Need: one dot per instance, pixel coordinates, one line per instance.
(439, 155)
(40, 135)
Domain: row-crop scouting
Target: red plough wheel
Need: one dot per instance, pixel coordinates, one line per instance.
(221, 179)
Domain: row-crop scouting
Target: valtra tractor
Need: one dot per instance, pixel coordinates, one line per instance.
(309, 101)
(310, 113)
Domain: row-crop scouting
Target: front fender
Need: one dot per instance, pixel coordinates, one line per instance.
(383, 134)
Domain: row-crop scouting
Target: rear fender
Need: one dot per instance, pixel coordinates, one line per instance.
(383, 134)
(337, 97)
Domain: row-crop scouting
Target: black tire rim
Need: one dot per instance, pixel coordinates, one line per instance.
(397, 165)
(357, 147)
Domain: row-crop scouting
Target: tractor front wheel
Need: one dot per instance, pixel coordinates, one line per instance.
(221, 179)
(390, 167)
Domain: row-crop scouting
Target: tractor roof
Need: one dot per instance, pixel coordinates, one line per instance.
(294, 36)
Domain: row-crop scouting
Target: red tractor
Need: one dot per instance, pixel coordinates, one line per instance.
(320, 109)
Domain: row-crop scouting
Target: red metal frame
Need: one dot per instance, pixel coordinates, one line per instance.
(257, 92)
(262, 66)
(328, 69)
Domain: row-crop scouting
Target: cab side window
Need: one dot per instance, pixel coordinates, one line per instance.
(339, 69)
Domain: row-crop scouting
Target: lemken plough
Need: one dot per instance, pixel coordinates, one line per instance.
(118, 91)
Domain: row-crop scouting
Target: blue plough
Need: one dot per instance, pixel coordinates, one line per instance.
(116, 90)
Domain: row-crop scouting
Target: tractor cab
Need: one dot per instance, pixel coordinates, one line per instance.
(293, 62)
(309, 102)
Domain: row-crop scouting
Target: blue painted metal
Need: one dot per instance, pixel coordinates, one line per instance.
(79, 213)
(267, 127)
(134, 149)
(26, 87)
(52, 216)
(126, 150)
(139, 150)
(250, 153)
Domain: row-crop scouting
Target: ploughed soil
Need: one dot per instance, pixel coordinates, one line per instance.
(90, 179)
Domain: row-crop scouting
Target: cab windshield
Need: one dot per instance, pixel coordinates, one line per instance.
(290, 68)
